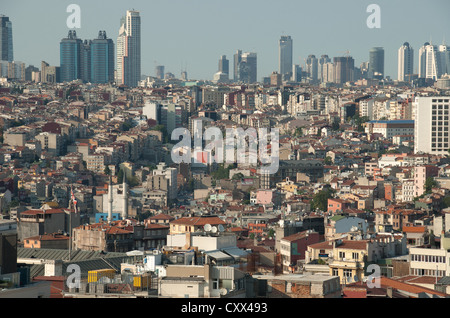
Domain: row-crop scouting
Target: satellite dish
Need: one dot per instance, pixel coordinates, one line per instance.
(221, 228)
(223, 291)
(207, 227)
(214, 229)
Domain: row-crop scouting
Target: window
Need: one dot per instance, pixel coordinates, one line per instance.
(341, 254)
(355, 255)
(215, 283)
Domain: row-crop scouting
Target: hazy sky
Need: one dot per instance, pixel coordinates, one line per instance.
(193, 34)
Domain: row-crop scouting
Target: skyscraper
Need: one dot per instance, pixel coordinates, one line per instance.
(429, 62)
(70, 57)
(324, 59)
(129, 50)
(102, 59)
(444, 58)
(6, 39)
(312, 68)
(405, 61)
(376, 63)
(85, 61)
(89, 60)
(343, 69)
(237, 61)
(245, 67)
(224, 65)
(285, 56)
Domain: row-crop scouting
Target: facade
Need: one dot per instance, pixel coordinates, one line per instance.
(405, 62)
(431, 133)
(390, 128)
(293, 248)
(6, 39)
(285, 56)
(129, 50)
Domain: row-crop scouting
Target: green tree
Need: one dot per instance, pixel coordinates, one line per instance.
(107, 171)
(328, 161)
(120, 176)
(430, 183)
(335, 125)
(320, 200)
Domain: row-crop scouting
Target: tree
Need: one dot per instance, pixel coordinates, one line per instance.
(430, 183)
(120, 176)
(335, 125)
(107, 171)
(328, 161)
(320, 200)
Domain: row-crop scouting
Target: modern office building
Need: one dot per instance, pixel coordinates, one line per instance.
(101, 59)
(343, 69)
(129, 50)
(376, 63)
(429, 66)
(405, 62)
(237, 60)
(70, 57)
(312, 68)
(324, 59)
(431, 130)
(285, 56)
(444, 58)
(88, 60)
(85, 61)
(6, 39)
(224, 65)
(247, 68)
(296, 73)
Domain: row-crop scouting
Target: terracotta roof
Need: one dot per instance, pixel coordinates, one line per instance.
(199, 221)
(414, 229)
(388, 282)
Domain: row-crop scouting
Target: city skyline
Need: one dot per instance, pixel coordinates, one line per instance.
(178, 48)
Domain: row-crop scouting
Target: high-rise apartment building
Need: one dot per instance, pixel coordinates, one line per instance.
(376, 63)
(432, 124)
(6, 39)
(129, 50)
(405, 62)
(285, 56)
